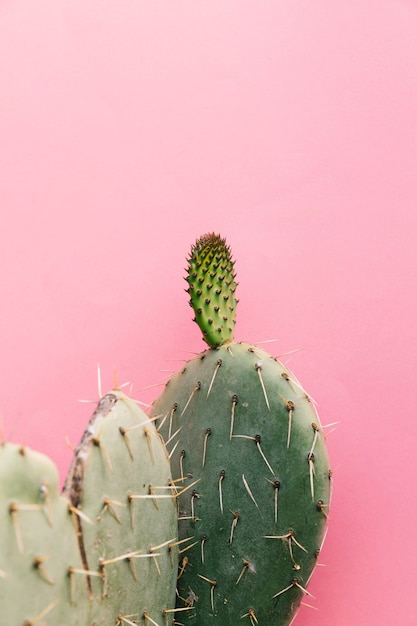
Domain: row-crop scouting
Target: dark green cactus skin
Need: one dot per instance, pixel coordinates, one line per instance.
(243, 428)
(105, 551)
(212, 287)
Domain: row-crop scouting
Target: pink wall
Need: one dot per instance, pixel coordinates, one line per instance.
(128, 129)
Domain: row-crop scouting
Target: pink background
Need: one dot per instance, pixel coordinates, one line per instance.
(129, 128)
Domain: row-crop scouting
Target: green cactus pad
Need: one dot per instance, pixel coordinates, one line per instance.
(104, 552)
(247, 440)
(248, 448)
(212, 287)
(38, 543)
(121, 482)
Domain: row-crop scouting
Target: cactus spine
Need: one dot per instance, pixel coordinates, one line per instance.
(105, 551)
(244, 436)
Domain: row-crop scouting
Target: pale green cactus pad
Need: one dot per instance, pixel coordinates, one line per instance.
(38, 545)
(120, 480)
(105, 551)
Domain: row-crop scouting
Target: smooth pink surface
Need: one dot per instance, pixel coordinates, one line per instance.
(128, 129)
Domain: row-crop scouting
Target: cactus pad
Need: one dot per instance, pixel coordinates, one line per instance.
(38, 543)
(251, 442)
(245, 439)
(104, 552)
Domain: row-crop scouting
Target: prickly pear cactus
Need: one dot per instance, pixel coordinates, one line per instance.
(38, 545)
(246, 440)
(105, 551)
(120, 481)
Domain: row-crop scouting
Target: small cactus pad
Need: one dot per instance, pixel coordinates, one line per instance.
(38, 546)
(247, 441)
(212, 286)
(105, 551)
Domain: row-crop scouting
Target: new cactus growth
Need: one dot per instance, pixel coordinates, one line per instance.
(212, 287)
(244, 436)
(105, 551)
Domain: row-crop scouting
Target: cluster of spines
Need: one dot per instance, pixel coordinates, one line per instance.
(212, 286)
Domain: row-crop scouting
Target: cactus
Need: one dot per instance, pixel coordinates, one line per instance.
(246, 440)
(38, 543)
(105, 551)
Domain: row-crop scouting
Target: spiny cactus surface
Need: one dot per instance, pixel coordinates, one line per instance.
(120, 480)
(105, 551)
(212, 286)
(38, 543)
(245, 438)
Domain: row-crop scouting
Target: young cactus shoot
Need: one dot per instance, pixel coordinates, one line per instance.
(212, 287)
